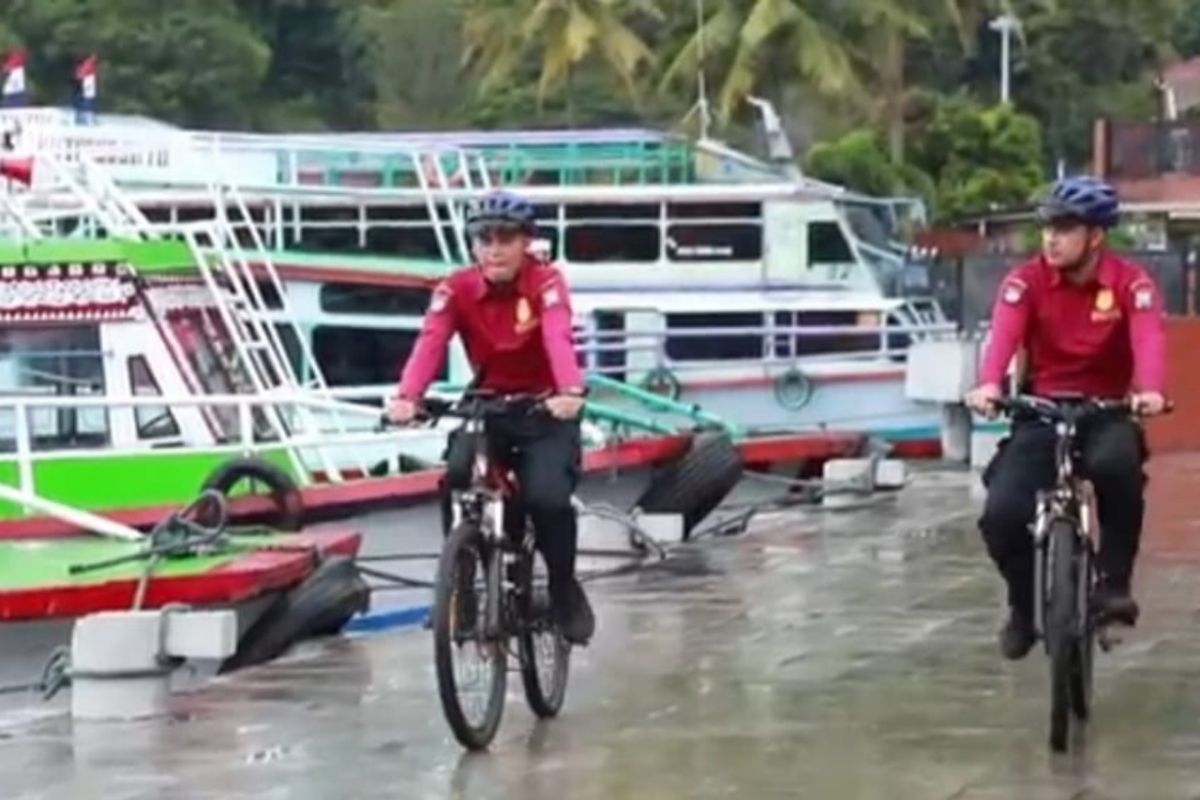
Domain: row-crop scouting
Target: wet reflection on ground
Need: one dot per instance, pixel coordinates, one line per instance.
(846, 655)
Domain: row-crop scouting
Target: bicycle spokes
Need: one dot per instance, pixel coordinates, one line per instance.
(474, 653)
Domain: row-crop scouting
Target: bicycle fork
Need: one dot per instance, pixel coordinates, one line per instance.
(1044, 569)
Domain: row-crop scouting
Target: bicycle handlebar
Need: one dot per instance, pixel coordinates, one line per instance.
(1068, 408)
(474, 404)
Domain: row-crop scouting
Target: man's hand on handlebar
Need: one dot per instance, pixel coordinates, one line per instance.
(982, 400)
(401, 411)
(1148, 404)
(564, 406)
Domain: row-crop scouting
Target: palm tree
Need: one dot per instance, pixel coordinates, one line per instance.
(741, 36)
(501, 34)
(884, 28)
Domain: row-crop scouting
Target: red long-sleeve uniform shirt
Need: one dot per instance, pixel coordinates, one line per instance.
(518, 334)
(1103, 338)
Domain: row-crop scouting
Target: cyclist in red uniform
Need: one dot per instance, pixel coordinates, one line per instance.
(513, 313)
(1091, 323)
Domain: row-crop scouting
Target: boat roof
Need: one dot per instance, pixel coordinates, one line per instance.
(723, 301)
(497, 138)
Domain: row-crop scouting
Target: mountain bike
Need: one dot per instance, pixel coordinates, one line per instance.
(1066, 534)
(491, 590)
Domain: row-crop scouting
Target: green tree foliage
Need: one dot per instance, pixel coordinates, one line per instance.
(753, 42)
(318, 75)
(859, 162)
(868, 77)
(1081, 57)
(408, 56)
(195, 62)
(1186, 35)
(980, 158)
(500, 34)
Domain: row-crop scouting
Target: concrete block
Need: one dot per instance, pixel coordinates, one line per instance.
(941, 371)
(890, 473)
(604, 533)
(116, 641)
(956, 432)
(119, 665)
(983, 446)
(664, 528)
(125, 699)
(201, 634)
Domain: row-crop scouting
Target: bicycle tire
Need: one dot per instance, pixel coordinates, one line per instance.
(1061, 627)
(466, 539)
(537, 626)
(1085, 649)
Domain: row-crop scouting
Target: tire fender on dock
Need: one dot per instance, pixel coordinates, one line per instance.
(696, 482)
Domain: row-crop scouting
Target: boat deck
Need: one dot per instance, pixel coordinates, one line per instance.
(820, 654)
(36, 582)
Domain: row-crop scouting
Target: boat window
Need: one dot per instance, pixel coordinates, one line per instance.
(872, 224)
(612, 240)
(354, 298)
(609, 343)
(797, 341)
(53, 362)
(693, 337)
(270, 295)
(642, 211)
(714, 242)
(363, 356)
(741, 212)
(827, 245)
(153, 422)
(214, 359)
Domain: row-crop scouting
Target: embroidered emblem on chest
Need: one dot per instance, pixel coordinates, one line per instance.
(1104, 309)
(525, 319)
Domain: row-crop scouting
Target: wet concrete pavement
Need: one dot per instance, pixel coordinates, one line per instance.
(847, 655)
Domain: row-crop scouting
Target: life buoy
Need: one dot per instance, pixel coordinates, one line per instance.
(662, 381)
(793, 389)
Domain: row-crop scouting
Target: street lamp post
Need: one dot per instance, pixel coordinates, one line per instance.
(1005, 25)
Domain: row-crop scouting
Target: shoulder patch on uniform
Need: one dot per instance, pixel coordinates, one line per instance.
(440, 298)
(1143, 296)
(1013, 290)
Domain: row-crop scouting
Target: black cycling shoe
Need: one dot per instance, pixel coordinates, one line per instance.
(1116, 604)
(573, 614)
(1017, 637)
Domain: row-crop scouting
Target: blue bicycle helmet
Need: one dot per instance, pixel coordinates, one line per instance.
(501, 209)
(1084, 198)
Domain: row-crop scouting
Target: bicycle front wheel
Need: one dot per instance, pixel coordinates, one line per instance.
(1062, 627)
(1085, 647)
(545, 654)
(470, 663)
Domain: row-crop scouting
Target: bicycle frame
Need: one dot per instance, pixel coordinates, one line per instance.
(1072, 498)
(490, 489)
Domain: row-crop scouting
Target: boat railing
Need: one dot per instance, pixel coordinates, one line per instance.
(757, 347)
(248, 440)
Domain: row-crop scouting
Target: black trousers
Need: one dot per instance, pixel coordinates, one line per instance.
(545, 454)
(1113, 451)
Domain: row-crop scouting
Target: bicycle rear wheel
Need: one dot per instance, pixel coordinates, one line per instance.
(471, 666)
(1062, 631)
(545, 654)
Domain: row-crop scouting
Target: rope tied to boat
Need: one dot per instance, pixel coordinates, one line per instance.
(55, 676)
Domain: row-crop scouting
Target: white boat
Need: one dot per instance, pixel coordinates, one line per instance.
(775, 301)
